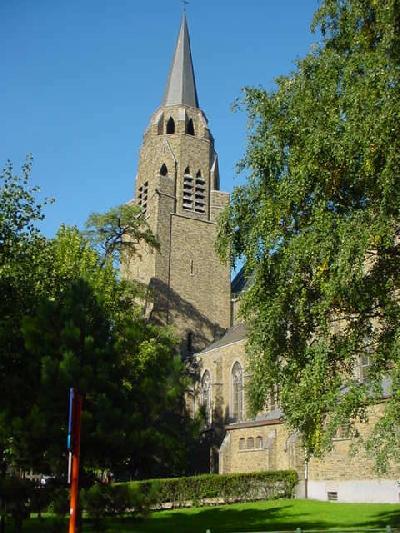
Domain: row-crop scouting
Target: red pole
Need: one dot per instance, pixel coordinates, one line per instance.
(76, 432)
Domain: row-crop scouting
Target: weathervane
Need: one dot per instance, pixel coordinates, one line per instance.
(184, 4)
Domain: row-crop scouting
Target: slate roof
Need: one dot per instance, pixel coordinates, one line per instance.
(234, 334)
(241, 282)
(181, 85)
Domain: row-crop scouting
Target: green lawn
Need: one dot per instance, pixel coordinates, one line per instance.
(276, 515)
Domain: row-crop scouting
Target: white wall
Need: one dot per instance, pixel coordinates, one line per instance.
(366, 490)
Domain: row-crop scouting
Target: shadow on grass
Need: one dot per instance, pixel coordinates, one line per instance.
(387, 518)
(274, 517)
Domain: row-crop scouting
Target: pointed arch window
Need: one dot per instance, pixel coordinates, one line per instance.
(206, 396)
(164, 170)
(171, 125)
(190, 127)
(237, 392)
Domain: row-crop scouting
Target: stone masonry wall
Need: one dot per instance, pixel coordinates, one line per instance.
(199, 281)
(279, 449)
(190, 285)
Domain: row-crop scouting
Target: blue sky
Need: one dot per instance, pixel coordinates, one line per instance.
(80, 79)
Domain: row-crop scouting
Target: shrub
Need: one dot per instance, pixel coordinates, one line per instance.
(227, 487)
(100, 500)
(59, 502)
(15, 494)
(95, 501)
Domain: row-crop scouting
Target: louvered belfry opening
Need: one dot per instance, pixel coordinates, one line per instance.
(187, 190)
(143, 195)
(199, 193)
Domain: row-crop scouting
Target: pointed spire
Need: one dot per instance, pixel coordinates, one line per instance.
(181, 86)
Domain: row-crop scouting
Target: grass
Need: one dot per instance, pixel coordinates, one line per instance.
(276, 515)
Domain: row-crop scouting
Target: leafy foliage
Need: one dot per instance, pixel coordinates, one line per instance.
(67, 319)
(100, 501)
(22, 276)
(119, 231)
(318, 222)
(15, 497)
(229, 487)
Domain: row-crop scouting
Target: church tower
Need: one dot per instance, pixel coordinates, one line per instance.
(177, 186)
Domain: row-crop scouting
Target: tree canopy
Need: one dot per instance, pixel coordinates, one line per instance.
(67, 319)
(119, 231)
(317, 225)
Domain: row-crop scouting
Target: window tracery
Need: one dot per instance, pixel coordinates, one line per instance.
(206, 396)
(237, 392)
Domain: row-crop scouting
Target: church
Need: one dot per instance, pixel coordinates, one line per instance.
(177, 187)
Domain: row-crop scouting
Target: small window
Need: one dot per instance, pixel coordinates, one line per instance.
(170, 126)
(259, 442)
(250, 443)
(191, 267)
(190, 127)
(242, 444)
(164, 170)
(332, 496)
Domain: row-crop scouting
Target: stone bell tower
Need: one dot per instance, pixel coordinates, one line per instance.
(177, 186)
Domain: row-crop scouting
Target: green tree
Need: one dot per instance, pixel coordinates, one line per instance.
(22, 263)
(67, 319)
(317, 224)
(119, 231)
(87, 333)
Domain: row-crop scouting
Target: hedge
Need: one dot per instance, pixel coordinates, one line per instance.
(221, 488)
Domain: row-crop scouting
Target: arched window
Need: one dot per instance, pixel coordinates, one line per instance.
(206, 396)
(259, 442)
(190, 127)
(250, 443)
(242, 443)
(164, 170)
(237, 392)
(171, 125)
